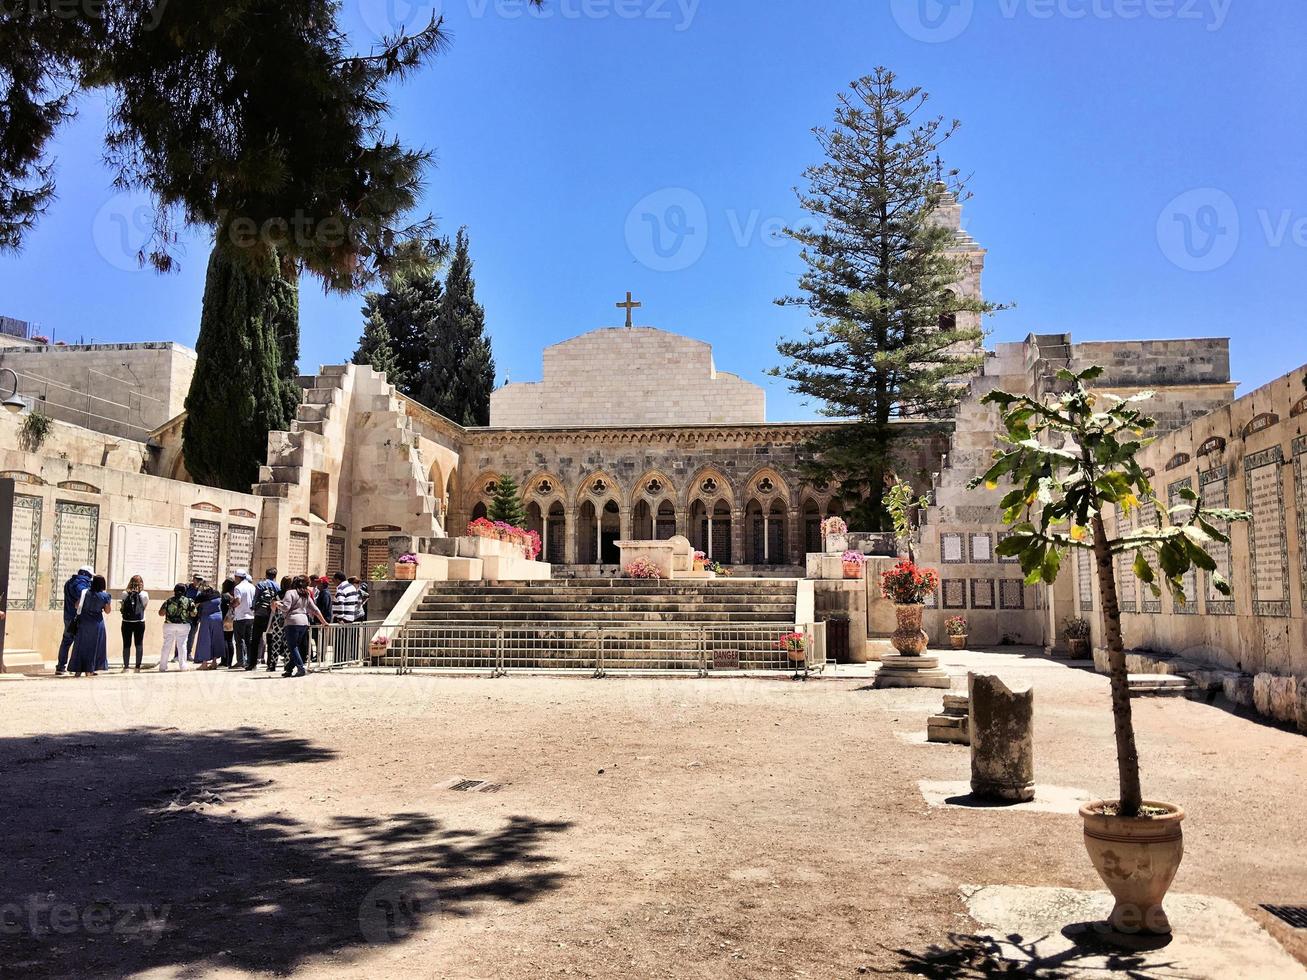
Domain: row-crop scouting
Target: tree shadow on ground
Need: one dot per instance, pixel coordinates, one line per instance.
(123, 853)
(970, 957)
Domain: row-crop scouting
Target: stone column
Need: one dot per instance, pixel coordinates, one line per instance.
(738, 557)
(766, 539)
(1002, 733)
(544, 536)
(707, 545)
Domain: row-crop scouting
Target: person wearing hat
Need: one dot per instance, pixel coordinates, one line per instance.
(73, 589)
(243, 623)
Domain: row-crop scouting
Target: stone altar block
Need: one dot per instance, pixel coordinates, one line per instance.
(661, 553)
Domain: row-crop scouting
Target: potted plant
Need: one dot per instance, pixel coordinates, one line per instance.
(956, 628)
(700, 560)
(1069, 459)
(406, 567)
(1077, 632)
(854, 564)
(834, 535)
(378, 647)
(907, 585)
(379, 573)
(795, 646)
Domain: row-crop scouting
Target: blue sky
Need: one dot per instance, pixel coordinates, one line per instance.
(1138, 172)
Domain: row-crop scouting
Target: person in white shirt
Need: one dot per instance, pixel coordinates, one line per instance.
(346, 607)
(243, 623)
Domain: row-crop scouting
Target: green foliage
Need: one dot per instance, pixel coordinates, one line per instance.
(460, 374)
(1068, 460)
(400, 320)
(506, 504)
(889, 340)
(254, 118)
(33, 431)
(900, 502)
(239, 392)
(1072, 458)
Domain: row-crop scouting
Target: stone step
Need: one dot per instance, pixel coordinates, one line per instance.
(575, 586)
(314, 427)
(1162, 686)
(436, 610)
(420, 618)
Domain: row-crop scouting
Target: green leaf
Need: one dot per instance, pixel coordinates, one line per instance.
(1142, 569)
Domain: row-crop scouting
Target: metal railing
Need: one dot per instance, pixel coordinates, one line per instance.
(341, 645)
(705, 649)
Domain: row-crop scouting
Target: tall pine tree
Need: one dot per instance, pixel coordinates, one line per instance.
(889, 342)
(375, 350)
(461, 373)
(506, 503)
(239, 392)
(405, 311)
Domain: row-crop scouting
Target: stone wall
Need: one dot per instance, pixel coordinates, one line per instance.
(745, 478)
(636, 377)
(120, 389)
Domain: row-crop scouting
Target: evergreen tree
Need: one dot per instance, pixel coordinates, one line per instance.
(506, 504)
(284, 300)
(461, 373)
(406, 312)
(375, 350)
(238, 394)
(880, 284)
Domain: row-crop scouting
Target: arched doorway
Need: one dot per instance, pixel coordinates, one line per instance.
(811, 527)
(479, 510)
(642, 522)
(712, 530)
(665, 522)
(555, 550)
(598, 531)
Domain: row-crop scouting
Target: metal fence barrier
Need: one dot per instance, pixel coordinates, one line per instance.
(601, 649)
(341, 645)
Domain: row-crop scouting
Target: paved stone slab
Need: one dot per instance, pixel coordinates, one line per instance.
(1038, 931)
(958, 795)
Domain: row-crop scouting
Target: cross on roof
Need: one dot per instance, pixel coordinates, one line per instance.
(630, 305)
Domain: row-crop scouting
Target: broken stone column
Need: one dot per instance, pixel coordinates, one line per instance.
(1002, 739)
(951, 724)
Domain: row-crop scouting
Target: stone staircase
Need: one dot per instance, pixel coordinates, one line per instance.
(319, 432)
(558, 624)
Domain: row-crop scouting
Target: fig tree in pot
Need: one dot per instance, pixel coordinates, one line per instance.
(1071, 458)
(1077, 632)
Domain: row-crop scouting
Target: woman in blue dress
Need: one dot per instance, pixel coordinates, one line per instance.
(209, 642)
(91, 647)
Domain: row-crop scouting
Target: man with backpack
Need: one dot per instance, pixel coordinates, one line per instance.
(266, 593)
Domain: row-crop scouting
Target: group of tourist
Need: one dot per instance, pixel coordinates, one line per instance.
(278, 621)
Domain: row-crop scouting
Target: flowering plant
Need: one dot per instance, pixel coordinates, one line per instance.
(716, 567)
(792, 643)
(700, 559)
(407, 559)
(501, 530)
(907, 584)
(643, 568)
(833, 526)
(854, 558)
(955, 626)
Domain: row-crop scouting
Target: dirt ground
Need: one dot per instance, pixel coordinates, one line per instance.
(245, 825)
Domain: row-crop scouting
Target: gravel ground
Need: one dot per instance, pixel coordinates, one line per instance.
(245, 825)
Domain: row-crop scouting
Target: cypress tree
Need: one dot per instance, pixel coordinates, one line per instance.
(238, 393)
(375, 350)
(461, 373)
(890, 340)
(506, 504)
(405, 311)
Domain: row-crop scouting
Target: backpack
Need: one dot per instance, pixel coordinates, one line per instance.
(264, 596)
(133, 606)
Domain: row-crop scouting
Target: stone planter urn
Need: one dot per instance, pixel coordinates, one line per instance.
(836, 543)
(1137, 858)
(405, 572)
(958, 642)
(909, 639)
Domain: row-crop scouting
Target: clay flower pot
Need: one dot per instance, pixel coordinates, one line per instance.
(852, 569)
(909, 639)
(958, 642)
(1137, 858)
(405, 572)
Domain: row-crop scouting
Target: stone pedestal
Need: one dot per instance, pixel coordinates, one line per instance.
(921, 671)
(952, 724)
(1002, 739)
